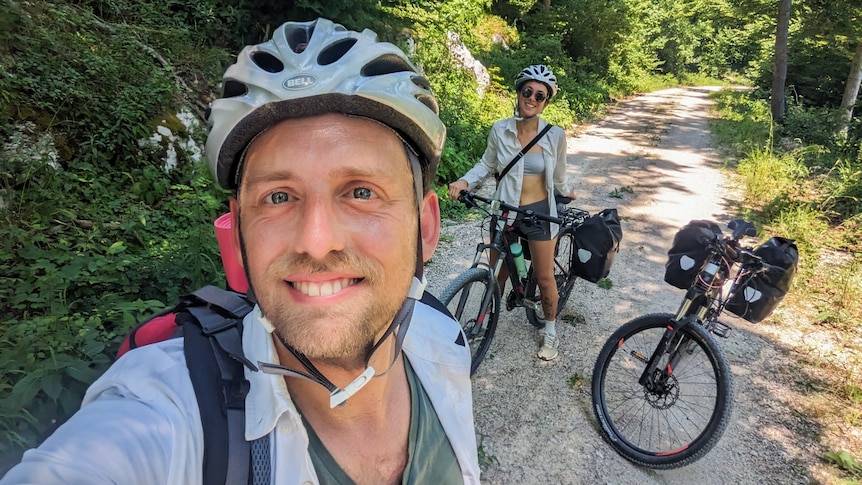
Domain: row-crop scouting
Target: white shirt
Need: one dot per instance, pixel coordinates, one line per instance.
(139, 423)
(503, 145)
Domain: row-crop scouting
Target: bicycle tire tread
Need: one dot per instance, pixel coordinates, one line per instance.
(714, 428)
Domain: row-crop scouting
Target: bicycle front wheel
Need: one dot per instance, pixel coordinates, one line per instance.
(675, 419)
(562, 275)
(473, 298)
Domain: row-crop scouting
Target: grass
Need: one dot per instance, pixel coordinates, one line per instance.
(619, 193)
(576, 380)
(789, 189)
(485, 460)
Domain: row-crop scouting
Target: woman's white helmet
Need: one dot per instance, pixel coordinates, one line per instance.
(317, 67)
(539, 73)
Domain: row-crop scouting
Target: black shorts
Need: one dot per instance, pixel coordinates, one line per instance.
(536, 230)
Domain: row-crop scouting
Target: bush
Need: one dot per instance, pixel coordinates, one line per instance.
(812, 126)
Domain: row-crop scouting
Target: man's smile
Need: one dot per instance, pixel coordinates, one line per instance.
(323, 288)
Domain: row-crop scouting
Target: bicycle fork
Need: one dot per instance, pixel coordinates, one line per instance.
(671, 343)
(654, 378)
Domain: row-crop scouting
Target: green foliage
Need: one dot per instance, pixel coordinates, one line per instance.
(450, 209)
(770, 177)
(743, 120)
(95, 88)
(95, 233)
(576, 381)
(812, 125)
(619, 192)
(845, 461)
(485, 459)
(799, 191)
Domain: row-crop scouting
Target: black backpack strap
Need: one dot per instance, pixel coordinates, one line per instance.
(433, 302)
(214, 356)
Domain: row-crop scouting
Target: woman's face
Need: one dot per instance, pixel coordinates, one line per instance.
(528, 99)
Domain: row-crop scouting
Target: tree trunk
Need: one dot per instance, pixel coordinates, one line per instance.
(779, 74)
(851, 90)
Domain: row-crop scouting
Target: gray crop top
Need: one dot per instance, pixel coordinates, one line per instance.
(534, 164)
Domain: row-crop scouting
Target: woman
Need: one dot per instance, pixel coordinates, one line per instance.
(530, 183)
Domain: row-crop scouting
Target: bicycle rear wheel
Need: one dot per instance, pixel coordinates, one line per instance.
(672, 424)
(473, 298)
(562, 274)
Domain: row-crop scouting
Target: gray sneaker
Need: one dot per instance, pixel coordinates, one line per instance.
(549, 347)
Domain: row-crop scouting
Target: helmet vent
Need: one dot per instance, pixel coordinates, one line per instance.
(421, 82)
(267, 61)
(428, 101)
(233, 89)
(297, 37)
(386, 64)
(335, 51)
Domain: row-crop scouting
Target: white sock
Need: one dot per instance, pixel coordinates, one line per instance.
(549, 327)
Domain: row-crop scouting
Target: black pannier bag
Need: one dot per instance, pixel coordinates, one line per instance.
(689, 251)
(756, 299)
(597, 242)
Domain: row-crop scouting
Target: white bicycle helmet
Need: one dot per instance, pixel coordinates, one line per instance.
(317, 67)
(539, 73)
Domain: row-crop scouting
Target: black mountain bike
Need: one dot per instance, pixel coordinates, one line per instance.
(474, 297)
(661, 386)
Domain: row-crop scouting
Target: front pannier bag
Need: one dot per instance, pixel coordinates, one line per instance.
(597, 242)
(689, 252)
(755, 299)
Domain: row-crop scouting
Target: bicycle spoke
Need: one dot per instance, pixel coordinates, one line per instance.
(677, 415)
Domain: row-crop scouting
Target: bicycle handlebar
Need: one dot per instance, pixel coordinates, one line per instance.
(469, 198)
(729, 247)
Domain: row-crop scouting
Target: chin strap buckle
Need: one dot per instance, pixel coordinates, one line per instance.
(417, 288)
(340, 396)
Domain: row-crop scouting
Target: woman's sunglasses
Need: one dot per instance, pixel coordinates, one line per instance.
(528, 91)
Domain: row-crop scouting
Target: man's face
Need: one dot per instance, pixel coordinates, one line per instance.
(328, 227)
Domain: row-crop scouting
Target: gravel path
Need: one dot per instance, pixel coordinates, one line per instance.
(649, 158)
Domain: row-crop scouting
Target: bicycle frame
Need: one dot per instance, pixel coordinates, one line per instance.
(662, 388)
(474, 296)
(498, 212)
(705, 300)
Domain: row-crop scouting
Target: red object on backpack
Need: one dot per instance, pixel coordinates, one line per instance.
(159, 328)
(233, 271)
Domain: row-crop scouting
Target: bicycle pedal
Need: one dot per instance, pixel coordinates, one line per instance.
(531, 305)
(720, 329)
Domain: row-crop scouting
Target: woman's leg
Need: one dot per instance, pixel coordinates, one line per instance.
(542, 255)
(543, 269)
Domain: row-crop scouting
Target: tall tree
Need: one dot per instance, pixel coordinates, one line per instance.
(779, 73)
(851, 89)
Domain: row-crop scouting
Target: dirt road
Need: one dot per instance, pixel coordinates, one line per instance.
(649, 158)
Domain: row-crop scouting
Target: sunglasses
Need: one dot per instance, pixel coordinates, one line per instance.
(528, 91)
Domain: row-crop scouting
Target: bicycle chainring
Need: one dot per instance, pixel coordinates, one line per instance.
(511, 300)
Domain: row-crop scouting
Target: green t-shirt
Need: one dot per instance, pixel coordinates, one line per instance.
(430, 457)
